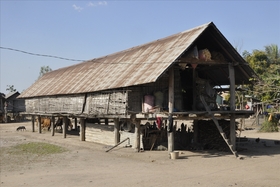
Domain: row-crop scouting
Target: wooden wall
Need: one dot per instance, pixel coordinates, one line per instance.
(103, 134)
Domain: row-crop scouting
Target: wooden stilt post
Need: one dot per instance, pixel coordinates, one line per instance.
(106, 121)
(33, 123)
(82, 129)
(76, 124)
(65, 119)
(137, 135)
(39, 125)
(170, 134)
(52, 125)
(116, 130)
(232, 106)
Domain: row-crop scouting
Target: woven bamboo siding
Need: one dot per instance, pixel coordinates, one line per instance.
(135, 98)
(62, 104)
(107, 103)
(103, 134)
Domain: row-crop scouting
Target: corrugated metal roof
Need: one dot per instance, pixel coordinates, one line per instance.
(134, 66)
(138, 65)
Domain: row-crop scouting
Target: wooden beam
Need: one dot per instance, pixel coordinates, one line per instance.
(137, 135)
(117, 131)
(198, 61)
(82, 129)
(76, 124)
(65, 121)
(52, 125)
(232, 106)
(33, 123)
(39, 125)
(170, 133)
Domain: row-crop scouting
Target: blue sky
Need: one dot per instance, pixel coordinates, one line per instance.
(85, 30)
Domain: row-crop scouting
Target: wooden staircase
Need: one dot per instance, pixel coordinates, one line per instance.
(218, 126)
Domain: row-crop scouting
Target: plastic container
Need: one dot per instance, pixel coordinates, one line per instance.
(174, 155)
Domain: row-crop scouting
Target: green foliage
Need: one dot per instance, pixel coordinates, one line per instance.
(44, 70)
(266, 64)
(273, 53)
(11, 88)
(258, 61)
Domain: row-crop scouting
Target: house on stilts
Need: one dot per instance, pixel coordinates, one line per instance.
(144, 92)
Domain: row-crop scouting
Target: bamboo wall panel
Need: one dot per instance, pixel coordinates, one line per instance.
(61, 104)
(114, 102)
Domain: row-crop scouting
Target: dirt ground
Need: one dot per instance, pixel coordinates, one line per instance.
(87, 163)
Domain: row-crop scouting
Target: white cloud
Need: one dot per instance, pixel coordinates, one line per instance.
(99, 3)
(91, 4)
(79, 9)
(102, 3)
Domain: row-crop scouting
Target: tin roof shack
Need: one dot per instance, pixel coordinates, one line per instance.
(14, 105)
(154, 84)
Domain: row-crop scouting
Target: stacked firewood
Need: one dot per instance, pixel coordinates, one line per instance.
(210, 137)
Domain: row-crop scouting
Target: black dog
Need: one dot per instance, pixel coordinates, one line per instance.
(22, 128)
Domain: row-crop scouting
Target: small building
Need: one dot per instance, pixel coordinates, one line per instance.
(14, 104)
(2, 111)
(147, 89)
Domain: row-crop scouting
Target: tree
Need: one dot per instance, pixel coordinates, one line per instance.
(43, 70)
(273, 54)
(266, 64)
(11, 88)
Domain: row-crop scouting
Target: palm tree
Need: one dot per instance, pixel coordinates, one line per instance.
(273, 53)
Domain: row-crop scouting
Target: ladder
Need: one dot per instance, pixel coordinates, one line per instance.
(218, 126)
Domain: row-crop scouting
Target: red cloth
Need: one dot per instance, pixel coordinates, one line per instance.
(159, 122)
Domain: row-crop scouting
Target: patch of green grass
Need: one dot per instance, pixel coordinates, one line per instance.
(38, 148)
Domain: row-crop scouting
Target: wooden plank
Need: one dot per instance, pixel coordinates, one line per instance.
(232, 106)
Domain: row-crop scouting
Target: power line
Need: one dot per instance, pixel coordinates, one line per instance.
(35, 54)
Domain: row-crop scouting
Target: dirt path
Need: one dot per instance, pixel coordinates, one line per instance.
(87, 164)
